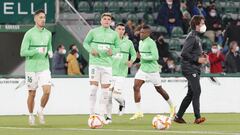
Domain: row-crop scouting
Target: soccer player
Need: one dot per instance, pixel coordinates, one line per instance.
(192, 59)
(120, 67)
(36, 47)
(148, 71)
(101, 43)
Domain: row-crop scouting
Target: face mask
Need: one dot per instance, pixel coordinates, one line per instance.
(214, 50)
(203, 28)
(213, 14)
(63, 51)
(169, 2)
(77, 55)
(237, 49)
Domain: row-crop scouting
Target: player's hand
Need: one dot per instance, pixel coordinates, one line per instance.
(41, 50)
(94, 52)
(202, 60)
(109, 52)
(50, 54)
(130, 63)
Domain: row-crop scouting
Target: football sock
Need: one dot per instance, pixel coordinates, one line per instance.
(93, 98)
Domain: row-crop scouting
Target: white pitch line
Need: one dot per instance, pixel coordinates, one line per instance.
(123, 130)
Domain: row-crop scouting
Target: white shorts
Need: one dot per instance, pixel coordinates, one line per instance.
(118, 83)
(33, 79)
(149, 77)
(100, 74)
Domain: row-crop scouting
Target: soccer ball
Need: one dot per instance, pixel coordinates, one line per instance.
(95, 121)
(161, 122)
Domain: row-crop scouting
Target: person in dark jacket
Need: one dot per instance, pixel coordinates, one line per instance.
(59, 64)
(192, 58)
(232, 61)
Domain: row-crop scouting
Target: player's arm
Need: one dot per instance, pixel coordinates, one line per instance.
(25, 51)
(132, 52)
(153, 55)
(116, 48)
(50, 51)
(87, 41)
(187, 49)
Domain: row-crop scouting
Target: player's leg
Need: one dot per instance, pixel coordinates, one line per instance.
(45, 81)
(31, 82)
(185, 103)
(94, 77)
(117, 93)
(137, 98)
(106, 95)
(31, 103)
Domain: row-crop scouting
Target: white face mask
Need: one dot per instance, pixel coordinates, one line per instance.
(237, 49)
(169, 2)
(63, 51)
(214, 50)
(203, 28)
(77, 55)
(213, 14)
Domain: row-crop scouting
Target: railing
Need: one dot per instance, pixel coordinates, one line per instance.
(73, 21)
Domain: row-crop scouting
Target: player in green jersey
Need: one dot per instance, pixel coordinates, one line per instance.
(120, 68)
(101, 43)
(148, 72)
(36, 47)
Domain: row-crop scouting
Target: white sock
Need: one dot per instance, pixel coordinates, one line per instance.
(93, 98)
(118, 97)
(40, 109)
(169, 101)
(109, 105)
(138, 105)
(31, 114)
(104, 99)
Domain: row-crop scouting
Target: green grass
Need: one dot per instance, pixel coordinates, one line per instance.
(216, 124)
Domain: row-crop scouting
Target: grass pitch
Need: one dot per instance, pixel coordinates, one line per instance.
(216, 124)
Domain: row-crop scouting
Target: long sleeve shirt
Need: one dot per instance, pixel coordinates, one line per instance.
(33, 39)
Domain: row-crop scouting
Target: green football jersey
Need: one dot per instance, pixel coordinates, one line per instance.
(101, 39)
(149, 56)
(33, 39)
(120, 65)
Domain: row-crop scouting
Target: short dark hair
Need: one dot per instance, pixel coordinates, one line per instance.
(60, 46)
(39, 11)
(73, 51)
(120, 24)
(196, 20)
(214, 44)
(146, 27)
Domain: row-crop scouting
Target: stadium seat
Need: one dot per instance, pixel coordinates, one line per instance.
(226, 19)
(117, 18)
(64, 7)
(83, 6)
(97, 19)
(174, 44)
(98, 6)
(174, 55)
(230, 7)
(149, 19)
(113, 6)
(177, 32)
(206, 43)
(162, 30)
(132, 17)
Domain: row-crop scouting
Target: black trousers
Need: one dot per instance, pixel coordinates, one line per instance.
(193, 95)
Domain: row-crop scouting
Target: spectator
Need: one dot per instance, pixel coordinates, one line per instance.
(73, 65)
(82, 62)
(163, 49)
(59, 63)
(216, 58)
(170, 15)
(232, 33)
(232, 61)
(213, 22)
(169, 66)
